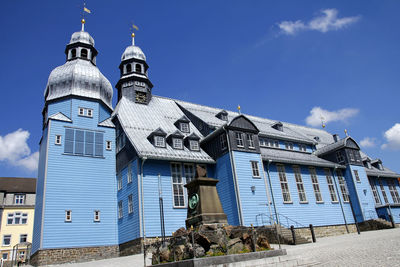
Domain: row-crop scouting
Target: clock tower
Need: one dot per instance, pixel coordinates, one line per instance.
(134, 83)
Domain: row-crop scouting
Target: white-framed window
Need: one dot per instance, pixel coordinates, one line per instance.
(302, 147)
(119, 181)
(385, 198)
(189, 172)
(315, 184)
(357, 176)
(222, 139)
(250, 140)
(299, 184)
(58, 140)
(108, 145)
(129, 178)
(17, 218)
(289, 145)
(343, 186)
(331, 186)
(159, 141)
(393, 191)
(351, 155)
(19, 199)
(120, 210)
(339, 156)
(261, 141)
(284, 184)
(177, 185)
(194, 145)
(130, 204)
(23, 238)
(6, 240)
(4, 256)
(375, 191)
(85, 112)
(96, 216)
(254, 167)
(184, 127)
(239, 139)
(68, 216)
(177, 143)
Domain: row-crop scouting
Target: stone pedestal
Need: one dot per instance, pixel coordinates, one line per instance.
(204, 203)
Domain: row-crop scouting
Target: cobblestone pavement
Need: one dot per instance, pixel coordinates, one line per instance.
(372, 248)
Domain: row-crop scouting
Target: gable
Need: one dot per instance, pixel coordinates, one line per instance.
(243, 123)
(350, 143)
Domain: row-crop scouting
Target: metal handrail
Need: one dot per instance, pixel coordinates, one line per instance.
(288, 220)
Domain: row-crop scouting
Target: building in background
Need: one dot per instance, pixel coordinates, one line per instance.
(108, 177)
(17, 200)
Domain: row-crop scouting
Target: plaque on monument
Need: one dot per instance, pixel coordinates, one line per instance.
(204, 203)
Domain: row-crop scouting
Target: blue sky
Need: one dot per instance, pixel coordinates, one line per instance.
(278, 59)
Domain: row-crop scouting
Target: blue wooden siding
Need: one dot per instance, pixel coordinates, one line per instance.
(363, 190)
(318, 214)
(39, 193)
(253, 203)
(82, 185)
(226, 189)
(103, 112)
(129, 224)
(396, 214)
(63, 106)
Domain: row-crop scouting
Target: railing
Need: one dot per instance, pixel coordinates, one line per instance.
(265, 219)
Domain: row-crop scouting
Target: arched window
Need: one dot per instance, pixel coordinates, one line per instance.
(84, 53)
(128, 68)
(138, 68)
(73, 53)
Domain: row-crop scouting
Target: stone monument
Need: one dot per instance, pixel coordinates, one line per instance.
(204, 203)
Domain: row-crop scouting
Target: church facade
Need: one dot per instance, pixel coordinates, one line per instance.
(109, 177)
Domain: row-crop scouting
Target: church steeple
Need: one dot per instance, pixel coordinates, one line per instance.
(134, 83)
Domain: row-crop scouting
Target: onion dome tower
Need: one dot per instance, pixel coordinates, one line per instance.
(134, 83)
(76, 186)
(79, 76)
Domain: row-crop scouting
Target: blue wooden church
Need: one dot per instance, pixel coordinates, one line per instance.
(108, 175)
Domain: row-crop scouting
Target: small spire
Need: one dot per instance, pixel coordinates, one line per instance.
(134, 27)
(83, 24)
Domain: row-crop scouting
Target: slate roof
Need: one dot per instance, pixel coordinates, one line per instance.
(60, 117)
(381, 173)
(17, 185)
(294, 157)
(139, 121)
(107, 123)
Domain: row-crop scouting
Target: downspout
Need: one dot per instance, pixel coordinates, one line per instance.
(267, 190)
(273, 202)
(238, 202)
(142, 203)
(340, 200)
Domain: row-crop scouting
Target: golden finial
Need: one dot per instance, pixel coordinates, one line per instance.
(83, 21)
(323, 122)
(238, 109)
(345, 131)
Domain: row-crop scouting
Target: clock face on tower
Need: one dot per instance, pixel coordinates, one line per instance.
(141, 97)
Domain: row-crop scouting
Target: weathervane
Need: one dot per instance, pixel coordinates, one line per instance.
(133, 28)
(83, 15)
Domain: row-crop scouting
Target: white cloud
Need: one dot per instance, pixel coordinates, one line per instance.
(15, 150)
(317, 115)
(327, 21)
(368, 142)
(392, 137)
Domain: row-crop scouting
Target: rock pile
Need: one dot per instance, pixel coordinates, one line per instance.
(208, 240)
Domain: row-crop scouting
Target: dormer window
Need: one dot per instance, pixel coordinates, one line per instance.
(250, 140)
(380, 166)
(223, 115)
(177, 143)
(138, 68)
(278, 126)
(339, 156)
(84, 53)
(159, 141)
(184, 127)
(239, 139)
(369, 165)
(194, 145)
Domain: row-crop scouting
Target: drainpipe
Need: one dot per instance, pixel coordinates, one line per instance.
(142, 205)
(266, 189)
(273, 202)
(340, 200)
(238, 202)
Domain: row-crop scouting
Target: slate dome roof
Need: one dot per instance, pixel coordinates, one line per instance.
(133, 51)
